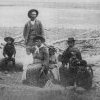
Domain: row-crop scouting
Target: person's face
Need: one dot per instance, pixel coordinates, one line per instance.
(73, 54)
(38, 43)
(9, 42)
(71, 43)
(51, 52)
(33, 15)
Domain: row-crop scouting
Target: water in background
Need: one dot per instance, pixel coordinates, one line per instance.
(12, 16)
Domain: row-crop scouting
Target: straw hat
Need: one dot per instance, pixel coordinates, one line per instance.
(9, 38)
(32, 10)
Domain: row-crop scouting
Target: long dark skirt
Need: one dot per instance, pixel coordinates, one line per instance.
(63, 76)
(67, 76)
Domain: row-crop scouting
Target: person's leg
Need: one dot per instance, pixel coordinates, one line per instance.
(71, 79)
(13, 60)
(6, 64)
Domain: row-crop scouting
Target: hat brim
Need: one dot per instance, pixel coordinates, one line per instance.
(8, 38)
(39, 38)
(70, 40)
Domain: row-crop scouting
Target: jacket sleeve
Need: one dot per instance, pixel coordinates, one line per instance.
(79, 55)
(14, 51)
(65, 57)
(41, 29)
(24, 31)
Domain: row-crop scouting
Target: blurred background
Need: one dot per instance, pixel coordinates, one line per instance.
(53, 13)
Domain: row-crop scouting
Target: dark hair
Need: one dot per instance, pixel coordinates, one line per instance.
(52, 48)
(83, 63)
(9, 38)
(32, 10)
(38, 37)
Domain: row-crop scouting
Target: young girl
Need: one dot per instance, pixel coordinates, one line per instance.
(53, 62)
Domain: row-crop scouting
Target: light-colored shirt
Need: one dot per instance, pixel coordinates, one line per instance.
(33, 22)
(37, 48)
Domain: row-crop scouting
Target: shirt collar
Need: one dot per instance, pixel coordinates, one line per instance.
(42, 45)
(32, 22)
(37, 48)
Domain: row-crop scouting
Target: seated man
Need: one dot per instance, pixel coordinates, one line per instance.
(71, 56)
(9, 51)
(68, 53)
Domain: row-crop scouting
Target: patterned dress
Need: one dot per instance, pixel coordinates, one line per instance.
(34, 74)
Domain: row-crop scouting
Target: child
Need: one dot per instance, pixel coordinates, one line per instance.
(53, 62)
(9, 51)
(82, 66)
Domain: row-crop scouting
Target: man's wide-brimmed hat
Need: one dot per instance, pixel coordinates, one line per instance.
(9, 38)
(71, 39)
(39, 38)
(32, 10)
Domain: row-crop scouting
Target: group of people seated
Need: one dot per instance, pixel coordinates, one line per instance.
(45, 61)
(78, 72)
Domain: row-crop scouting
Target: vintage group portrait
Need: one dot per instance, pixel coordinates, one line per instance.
(49, 50)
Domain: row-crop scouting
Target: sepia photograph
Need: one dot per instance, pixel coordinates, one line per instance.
(49, 49)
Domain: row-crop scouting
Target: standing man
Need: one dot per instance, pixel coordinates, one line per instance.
(32, 28)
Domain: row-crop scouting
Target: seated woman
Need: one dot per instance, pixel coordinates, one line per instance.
(36, 73)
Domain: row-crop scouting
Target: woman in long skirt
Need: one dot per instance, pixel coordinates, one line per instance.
(36, 73)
